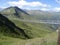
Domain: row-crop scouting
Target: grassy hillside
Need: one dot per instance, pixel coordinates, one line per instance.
(36, 29)
(50, 39)
(43, 34)
(15, 12)
(31, 29)
(11, 31)
(8, 28)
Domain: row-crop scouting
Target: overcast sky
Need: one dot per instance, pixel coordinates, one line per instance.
(45, 5)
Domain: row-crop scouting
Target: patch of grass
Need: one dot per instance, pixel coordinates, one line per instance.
(43, 34)
(34, 29)
(50, 39)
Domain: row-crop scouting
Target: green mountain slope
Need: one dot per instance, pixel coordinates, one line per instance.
(36, 29)
(15, 12)
(39, 32)
(8, 28)
(30, 29)
(50, 39)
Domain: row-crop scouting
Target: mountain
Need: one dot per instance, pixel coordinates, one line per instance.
(39, 32)
(44, 15)
(8, 28)
(30, 28)
(15, 12)
(24, 29)
(1, 9)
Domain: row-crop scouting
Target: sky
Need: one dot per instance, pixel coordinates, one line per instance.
(45, 5)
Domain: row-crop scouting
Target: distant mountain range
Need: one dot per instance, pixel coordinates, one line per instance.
(44, 15)
(15, 12)
(1, 9)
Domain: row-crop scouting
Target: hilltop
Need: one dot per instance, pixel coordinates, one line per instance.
(15, 12)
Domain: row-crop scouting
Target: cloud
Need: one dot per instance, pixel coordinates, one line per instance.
(45, 9)
(56, 9)
(23, 3)
(33, 5)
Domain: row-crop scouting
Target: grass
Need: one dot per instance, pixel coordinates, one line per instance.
(50, 39)
(43, 34)
(34, 29)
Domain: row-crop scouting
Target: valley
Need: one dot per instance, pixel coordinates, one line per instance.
(38, 21)
(19, 27)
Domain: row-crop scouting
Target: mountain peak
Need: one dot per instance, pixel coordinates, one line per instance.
(15, 12)
(12, 7)
(18, 9)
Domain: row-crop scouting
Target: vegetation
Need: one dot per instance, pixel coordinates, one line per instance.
(13, 32)
(35, 29)
(50, 39)
(10, 29)
(15, 12)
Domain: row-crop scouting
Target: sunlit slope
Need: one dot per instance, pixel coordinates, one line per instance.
(50, 39)
(43, 34)
(15, 12)
(36, 29)
(8, 28)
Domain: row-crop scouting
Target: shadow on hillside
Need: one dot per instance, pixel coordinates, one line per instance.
(13, 28)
